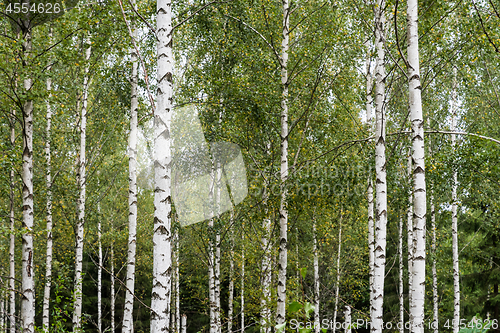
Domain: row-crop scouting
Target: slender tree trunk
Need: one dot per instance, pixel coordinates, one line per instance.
(183, 323)
(242, 299)
(12, 243)
(369, 121)
(112, 258)
(283, 210)
(2, 310)
(410, 231)
(48, 180)
(454, 217)
(99, 269)
(28, 278)
(217, 281)
(82, 180)
(265, 320)
(435, 310)
(418, 159)
(162, 261)
(316, 279)
(177, 284)
(211, 278)
(338, 276)
(231, 279)
(128, 325)
(347, 315)
(434, 269)
(401, 285)
(380, 170)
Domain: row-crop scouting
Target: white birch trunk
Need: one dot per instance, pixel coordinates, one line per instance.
(162, 262)
(112, 296)
(283, 210)
(2, 312)
(28, 278)
(380, 173)
(99, 268)
(177, 284)
(217, 282)
(211, 278)
(242, 296)
(410, 231)
(454, 217)
(128, 324)
(12, 243)
(435, 309)
(183, 323)
(418, 159)
(347, 315)
(401, 284)
(82, 183)
(371, 241)
(316, 279)
(265, 320)
(48, 180)
(231, 279)
(371, 232)
(338, 277)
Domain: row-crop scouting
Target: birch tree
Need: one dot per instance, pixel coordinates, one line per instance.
(82, 183)
(380, 173)
(48, 207)
(316, 279)
(28, 278)
(454, 218)
(162, 261)
(283, 210)
(12, 239)
(418, 168)
(132, 196)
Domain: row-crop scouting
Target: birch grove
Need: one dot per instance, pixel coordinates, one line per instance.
(103, 231)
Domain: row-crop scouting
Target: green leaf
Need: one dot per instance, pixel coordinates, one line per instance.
(303, 272)
(304, 330)
(294, 307)
(308, 308)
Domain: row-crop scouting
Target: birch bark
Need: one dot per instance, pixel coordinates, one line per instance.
(454, 217)
(128, 324)
(162, 261)
(112, 259)
(338, 277)
(231, 279)
(99, 268)
(12, 243)
(380, 173)
(401, 285)
(410, 231)
(82, 182)
(316, 279)
(177, 284)
(48, 207)
(28, 282)
(418, 160)
(283, 210)
(242, 296)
